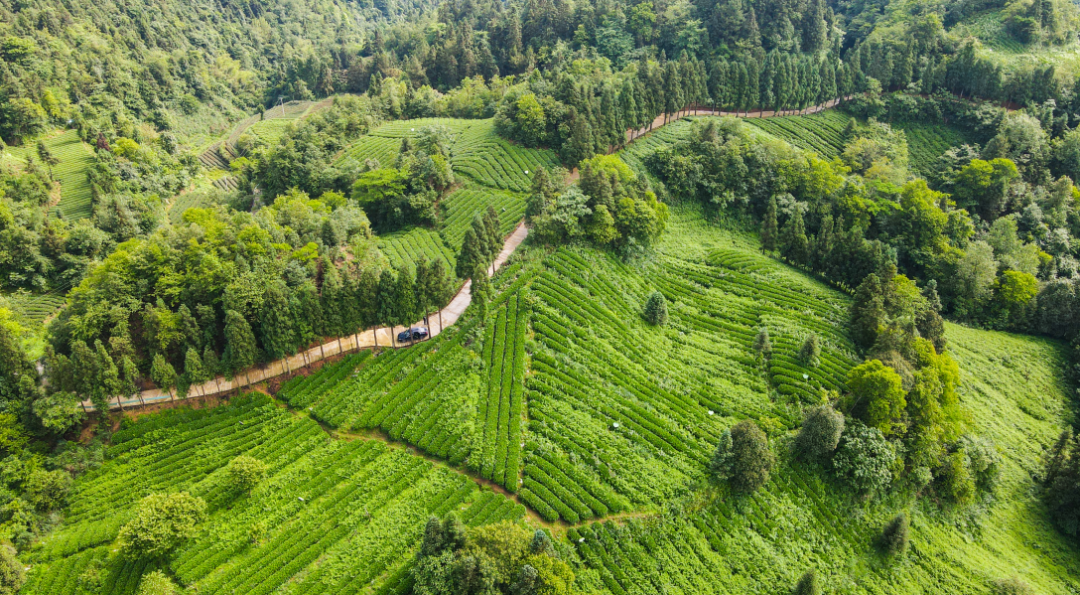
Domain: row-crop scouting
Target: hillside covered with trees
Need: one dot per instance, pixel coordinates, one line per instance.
(798, 311)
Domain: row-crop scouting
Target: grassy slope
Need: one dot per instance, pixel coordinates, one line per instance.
(343, 512)
(493, 172)
(75, 157)
(619, 420)
(822, 133)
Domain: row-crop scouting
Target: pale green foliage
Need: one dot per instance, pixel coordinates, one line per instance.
(48, 490)
(157, 583)
(12, 575)
(161, 523)
(246, 472)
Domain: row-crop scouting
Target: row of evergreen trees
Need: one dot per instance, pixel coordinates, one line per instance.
(289, 320)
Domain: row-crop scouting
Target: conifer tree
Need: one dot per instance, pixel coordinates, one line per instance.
(794, 246)
(480, 292)
(867, 311)
(894, 537)
(162, 373)
(385, 300)
(440, 288)
(193, 369)
(108, 379)
(241, 350)
(471, 255)
(808, 584)
(656, 309)
(405, 307)
(762, 344)
(769, 228)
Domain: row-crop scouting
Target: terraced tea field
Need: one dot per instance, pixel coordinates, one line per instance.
(495, 173)
(463, 205)
(820, 133)
(33, 308)
(333, 516)
(404, 248)
(927, 142)
(75, 158)
(477, 153)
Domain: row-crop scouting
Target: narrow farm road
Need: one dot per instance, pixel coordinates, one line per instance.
(384, 336)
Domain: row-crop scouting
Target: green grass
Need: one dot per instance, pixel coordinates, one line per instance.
(336, 516)
(382, 149)
(75, 158)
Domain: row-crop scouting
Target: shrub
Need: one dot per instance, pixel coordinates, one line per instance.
(894, 536)
(810, 352)
(865, 458)
(246, 472)
(820, 432)
(743, 457)
(12, 575)
(1011, 586)
(161, 523)
(157, 583)
(808, 584)
(656, 309)
(877, 395)
(762, 344)
(955, 479)
(48, 490)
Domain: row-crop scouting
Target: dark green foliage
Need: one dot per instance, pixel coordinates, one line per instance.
(808, 584)
(246, 472)
(810, 352)
(820, 432)
(743, 457)
(48, 490)
(762, 344)
(894, 536)
(867, 311)
(769, 229)
(241, 350)
(1061, 483)
(655, 311)
(793, 243)
(865, 459)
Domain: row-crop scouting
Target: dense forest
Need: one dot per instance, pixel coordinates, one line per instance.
(205, 247)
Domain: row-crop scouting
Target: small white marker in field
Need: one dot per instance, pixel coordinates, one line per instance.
(300, 498)
(526, 172)
(805, 376)
(581, 540)
(615, 425)
(711, 412)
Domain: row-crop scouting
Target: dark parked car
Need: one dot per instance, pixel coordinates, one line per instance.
(413, 334)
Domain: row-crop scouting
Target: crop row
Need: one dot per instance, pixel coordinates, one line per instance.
(821, 133)
(462, 206)
(301, 391)
(405, 248)
(75, 159)
(501, 409)
(381, 149)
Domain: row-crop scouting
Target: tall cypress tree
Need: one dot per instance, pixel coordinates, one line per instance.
(769, 228)
(275, 323)
(795, 246)
(385, 300)
(162, 373)
(404, 298)
(108, 378)
(241, 350)
(193, 369)
(471, 254)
